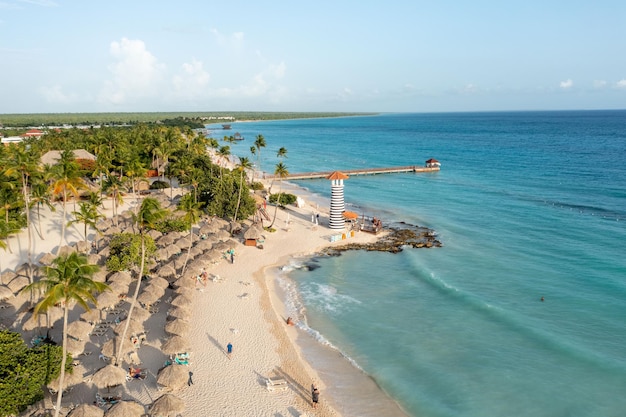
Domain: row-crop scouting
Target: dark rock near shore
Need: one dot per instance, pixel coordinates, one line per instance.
(394, 241)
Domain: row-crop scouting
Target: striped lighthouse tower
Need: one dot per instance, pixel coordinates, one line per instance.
(337, 204)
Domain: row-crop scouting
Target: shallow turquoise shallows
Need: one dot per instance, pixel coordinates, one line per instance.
(527, 205)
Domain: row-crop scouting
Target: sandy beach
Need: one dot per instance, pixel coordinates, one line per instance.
(238, 306)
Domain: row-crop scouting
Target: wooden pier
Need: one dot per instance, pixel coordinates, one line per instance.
(351, 172)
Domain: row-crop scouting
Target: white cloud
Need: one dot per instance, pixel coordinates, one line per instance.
(55, 94)
(233, 40)
(621, 84)
(193, 79)
(566, 84)
(599, 84)
(136, 73)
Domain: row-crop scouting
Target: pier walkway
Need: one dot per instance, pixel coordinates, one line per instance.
(366, 171)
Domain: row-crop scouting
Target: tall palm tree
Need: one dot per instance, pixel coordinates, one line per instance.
(87, 215)
(68, 281)
(259, 143)
(114, 187)
(40, 195)
(149, 214)
(192, 211)
(67, 182)
(281, 172)
(24, 166)
(244, 163)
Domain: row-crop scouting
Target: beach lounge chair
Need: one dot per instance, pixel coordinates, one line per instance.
(276, 384)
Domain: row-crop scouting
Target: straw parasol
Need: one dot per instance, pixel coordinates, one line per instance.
(161, 254)
(166, 271)
(181, 301)
(101, 275)
(107, 299)
(120, 276)
(47, 259)
(96, 259)
(167, 405)
(178, 327)
(154, 234)
(92, 316)
(187, 292)
(75, 378)
(7, 276)
(172, 376)
(134, 327)
(254, 231)
(109, 376)
(5, 293)
(126, 409)
(18, 283)
(157, 281)
(110, 347)
(76, 347)
(141, 314)
(179, 313)
(86, 410)
(156, 289)
(185, 282)
(83, 246)
(66, 250)
(175, 344)
(195, 252)
(148, 297)
(204, 245)
(118, 287)
(165, 240)
(79, 329)
(214, 255)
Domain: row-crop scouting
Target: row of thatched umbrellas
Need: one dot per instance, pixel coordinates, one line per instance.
(165, 406)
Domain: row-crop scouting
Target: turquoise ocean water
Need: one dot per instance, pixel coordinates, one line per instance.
(527, 205)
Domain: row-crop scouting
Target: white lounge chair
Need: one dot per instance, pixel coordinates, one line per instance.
(276, 383)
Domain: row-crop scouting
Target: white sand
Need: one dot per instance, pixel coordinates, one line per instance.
(243, 310)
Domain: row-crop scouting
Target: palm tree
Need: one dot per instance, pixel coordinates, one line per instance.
(67, 281)
(135, 170)
(87, 215)
(41, 196)
(192, 211)
(113, 186)
(149, 214)
(24, 166)
(281, 172)
(244, 163)
(259, 143)
(67, 182)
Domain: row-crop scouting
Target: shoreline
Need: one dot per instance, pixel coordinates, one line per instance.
(250, 316)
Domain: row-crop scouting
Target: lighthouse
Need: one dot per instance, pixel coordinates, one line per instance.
(337, 204)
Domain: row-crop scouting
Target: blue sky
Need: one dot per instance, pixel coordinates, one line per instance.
(374, 56)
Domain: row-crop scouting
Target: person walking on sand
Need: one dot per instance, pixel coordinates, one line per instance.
(315, 396)
(229, 349)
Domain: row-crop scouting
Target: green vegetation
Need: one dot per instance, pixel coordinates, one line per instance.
(285, 199)
(125, 251)
(25, 371)
(170, 119)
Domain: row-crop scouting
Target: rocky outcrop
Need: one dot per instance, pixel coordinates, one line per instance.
(396, 238)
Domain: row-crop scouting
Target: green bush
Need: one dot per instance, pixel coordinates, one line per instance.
(285, 199)
(125, 251)
(257, 186)
(172, 225)
(25, 371)
(159, 185)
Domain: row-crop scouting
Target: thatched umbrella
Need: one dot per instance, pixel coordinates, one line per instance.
(185, 282)
(83, 246)
(92, 316)
(121, 276)
(110, 347)
(179, 313)
(195, 252)
(96, 259)
(161, 254)
(166, 271)
(204, 244)
(156, 289)
(187, 292)
(47, 259)
(5, 293)
(7, 277)
(43, 319)
(134, 327)
(18, 283)
(214, 255)
(173, 376)
(86, 410)
(167, 405)
(101, 275)
(165, 240)
(178, 327)
(105, 251)
(66, 250)
(160, 282)
(75, 378)
(126, 409)
(141, 314)
(76, 347)
(154, 234)
(79, 329)
(107, 299)
(118, 288)
(175, 344)
(109, 376)
(113, 231)
(181, 301)
(182, 243)
(148, 297)
(197, 265)
(254, 231)
(172, 250)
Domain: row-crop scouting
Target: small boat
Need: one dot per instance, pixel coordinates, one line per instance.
(226, 127)
(238, 136)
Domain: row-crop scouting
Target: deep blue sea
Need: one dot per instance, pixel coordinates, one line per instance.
(527, 205)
